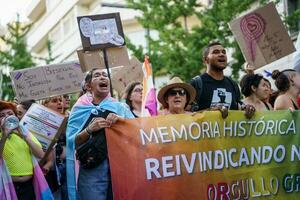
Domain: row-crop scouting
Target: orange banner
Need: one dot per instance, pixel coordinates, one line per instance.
(205, 157)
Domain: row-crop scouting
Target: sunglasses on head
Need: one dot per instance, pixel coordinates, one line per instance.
(173, 92)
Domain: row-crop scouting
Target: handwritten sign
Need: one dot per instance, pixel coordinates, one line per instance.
(45, 81)
(261, 36)
(101, 31)
(122, 76)
(44, 123)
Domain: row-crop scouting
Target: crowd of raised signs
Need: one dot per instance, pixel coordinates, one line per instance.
(78, 166)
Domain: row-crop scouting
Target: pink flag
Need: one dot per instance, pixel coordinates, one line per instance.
(149, 101)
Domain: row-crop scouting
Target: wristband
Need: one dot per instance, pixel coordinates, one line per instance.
(88, 130)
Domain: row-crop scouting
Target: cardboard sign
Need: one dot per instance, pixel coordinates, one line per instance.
(45, 81)
(122, 76)
(94, 59)
(43, 123)
(261, 36)
(101, 31)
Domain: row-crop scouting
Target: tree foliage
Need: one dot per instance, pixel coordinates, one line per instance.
(178, 49)
(15, 55)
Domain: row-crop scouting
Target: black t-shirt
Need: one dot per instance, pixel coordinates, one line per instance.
(216, 92)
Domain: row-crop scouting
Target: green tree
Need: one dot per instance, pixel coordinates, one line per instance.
(178, 50)
(15, 56)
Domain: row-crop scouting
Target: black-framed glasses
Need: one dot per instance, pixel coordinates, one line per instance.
(173, 92)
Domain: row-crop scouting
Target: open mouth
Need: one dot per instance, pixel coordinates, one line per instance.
(103, 85)
(222, 60)
(177, 101)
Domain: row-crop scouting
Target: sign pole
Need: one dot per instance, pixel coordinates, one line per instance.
(107, 68)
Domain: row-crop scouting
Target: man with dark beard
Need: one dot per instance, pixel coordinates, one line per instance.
(212, 83)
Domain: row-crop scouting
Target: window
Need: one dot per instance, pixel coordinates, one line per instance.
(69, 24)
(55, 35)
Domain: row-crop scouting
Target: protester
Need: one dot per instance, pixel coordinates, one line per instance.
(85, 130)
(255, 88)
(55, 103)
(22, 108)
(16, 148)
(175, 96)
(213, 89)
(268, 97)
(49, 168)
(288, 84)
(55, 166)
(66, 100)
(133, 97)
(296, 60)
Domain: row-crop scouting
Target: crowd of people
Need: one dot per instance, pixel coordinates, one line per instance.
(78, 166)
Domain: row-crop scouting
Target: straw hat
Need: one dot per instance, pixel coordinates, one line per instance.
(176, 82)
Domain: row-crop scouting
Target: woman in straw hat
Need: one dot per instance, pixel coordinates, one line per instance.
(175, 96)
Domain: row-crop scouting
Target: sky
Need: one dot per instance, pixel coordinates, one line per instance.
(9, 8)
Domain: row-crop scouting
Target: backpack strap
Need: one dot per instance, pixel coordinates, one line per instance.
(236, 89)
(197, 83)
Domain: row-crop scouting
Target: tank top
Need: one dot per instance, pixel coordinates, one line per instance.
(17, 156)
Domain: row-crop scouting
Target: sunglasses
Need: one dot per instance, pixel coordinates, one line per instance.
(67, 97)
(175, 92)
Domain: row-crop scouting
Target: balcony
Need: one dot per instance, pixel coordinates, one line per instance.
(41, 29)
(35, 9)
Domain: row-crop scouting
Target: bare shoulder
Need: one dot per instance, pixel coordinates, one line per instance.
(283, 102)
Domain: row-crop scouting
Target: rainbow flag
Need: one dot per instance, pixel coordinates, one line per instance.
(7, 189)
(149, 101)
(41, 188)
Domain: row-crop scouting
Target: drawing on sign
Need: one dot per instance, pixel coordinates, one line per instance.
(252, 26)
(43, 123)
(101, 31)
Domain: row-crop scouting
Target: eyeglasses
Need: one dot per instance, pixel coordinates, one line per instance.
(175, 92)
(67, 97)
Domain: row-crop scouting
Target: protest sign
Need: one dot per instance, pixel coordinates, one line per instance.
(101, 31)
(122, 76)
(262, 36)
(44, 123)
(45, 81)
(202, 156)
(94, 59)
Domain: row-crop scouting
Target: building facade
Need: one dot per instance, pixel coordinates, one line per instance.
(56, 21)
